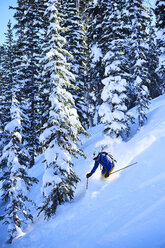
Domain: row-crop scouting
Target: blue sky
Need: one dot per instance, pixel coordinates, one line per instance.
(5, 15)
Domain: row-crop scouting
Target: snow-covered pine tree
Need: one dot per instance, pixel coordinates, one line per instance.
(60, 134)
(95, 65)
(153, 58)
(8, 70)
(43, 89)
(30, 96)
(6, 94)
(2, 86)
(14, 160)
(2, 54)
(76, 45)
(113, 111)
(14, 176)
(139, 50)
(8, 66)
(160, 24)
(28, 31)
(1, 62)
(20, 58)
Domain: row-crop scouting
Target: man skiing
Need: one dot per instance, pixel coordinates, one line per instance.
(107, 166)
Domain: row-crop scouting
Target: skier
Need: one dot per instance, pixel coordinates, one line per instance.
(105, 160)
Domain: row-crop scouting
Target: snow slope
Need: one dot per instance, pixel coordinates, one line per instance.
(125, 211)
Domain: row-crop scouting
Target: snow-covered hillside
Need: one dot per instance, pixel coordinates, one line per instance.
(125, 211)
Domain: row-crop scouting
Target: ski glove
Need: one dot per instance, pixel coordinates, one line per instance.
(88, 175)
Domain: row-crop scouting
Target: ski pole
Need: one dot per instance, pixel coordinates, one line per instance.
(124, 167)
(87, 184)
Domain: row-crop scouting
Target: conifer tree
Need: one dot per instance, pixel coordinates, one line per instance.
(43, 90)
(14, 161)
(60, 133)
(14, 175)
(8, 71)
(76, 44)
(2, 86)
(6, 94)
(95, 65)
(27, 29)
(31, 71)
(153, 58)
(160, 24)
(8, 66)
(139, 19)
(1, 62)
(113, 110)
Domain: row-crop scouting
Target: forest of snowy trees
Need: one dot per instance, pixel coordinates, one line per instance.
(66, 66)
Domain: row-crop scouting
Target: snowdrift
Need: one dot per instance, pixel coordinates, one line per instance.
(127, 210)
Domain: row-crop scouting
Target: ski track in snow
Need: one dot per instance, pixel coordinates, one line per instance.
(153, 180)
(146, 212)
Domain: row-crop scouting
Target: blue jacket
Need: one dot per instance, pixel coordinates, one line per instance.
(105, 161)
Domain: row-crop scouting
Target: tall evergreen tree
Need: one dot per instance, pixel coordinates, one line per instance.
(1, 62)
(8, 70)
(6, 95)
(60, 134)
(14, 176)
(76, 44)
(113, 110)
(31, 84)
(8, 66)
(2, 87)
(43, 90)
(139, 47)
(160, 24)
(95, 65)
(14, 160)
(153, 58)
(27, 29)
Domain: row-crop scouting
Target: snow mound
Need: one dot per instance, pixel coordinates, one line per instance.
(127, 210)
